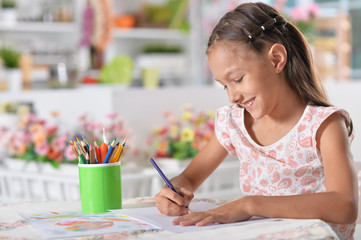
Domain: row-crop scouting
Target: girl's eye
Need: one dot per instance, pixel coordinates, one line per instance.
(240, 80)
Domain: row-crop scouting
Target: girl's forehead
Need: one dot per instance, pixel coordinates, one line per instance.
(233, 50)
(231, 53)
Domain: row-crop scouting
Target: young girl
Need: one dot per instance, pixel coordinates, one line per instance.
(293, 145)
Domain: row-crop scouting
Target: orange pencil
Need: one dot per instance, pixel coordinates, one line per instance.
(103, 152)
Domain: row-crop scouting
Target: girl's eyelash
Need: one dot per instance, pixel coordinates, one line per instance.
(240, 80)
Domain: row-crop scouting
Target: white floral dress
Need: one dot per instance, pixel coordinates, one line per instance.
(292, 165)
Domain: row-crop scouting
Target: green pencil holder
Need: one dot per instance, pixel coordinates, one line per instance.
(100, 187)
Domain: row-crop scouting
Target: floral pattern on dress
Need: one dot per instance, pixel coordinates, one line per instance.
(292, 165)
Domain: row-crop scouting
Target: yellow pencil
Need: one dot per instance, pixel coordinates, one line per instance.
(119, 151)
(113, 153)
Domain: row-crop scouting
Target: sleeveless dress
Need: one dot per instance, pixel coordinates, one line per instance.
(292, 165)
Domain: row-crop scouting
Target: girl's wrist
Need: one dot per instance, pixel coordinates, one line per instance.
(248, 205)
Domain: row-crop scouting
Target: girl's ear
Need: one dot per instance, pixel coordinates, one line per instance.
(278, 56)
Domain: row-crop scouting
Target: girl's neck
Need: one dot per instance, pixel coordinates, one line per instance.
(285, 115)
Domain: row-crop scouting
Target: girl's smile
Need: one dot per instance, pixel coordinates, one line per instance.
(248, 105)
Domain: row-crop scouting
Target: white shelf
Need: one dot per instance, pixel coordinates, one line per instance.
(149, 33)
(30, 27)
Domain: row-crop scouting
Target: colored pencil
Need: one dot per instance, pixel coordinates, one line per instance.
(119, 151)
(81, 155)
(111, 158)
(97, 151)
(109, 152)
(103, 152)
(74, 151)
(92, 154)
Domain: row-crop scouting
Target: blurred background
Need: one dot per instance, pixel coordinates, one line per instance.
(138, 69)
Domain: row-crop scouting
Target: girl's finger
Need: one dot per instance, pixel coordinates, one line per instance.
(205, 221)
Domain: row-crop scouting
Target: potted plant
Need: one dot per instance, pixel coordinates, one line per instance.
(8, 11)
(12, 74)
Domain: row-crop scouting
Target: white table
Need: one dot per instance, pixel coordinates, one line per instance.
(12, 226)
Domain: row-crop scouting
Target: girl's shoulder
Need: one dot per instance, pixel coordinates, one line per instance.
(321, 112)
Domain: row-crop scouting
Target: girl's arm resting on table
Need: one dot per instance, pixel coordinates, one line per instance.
(203, 164)
(337, 205)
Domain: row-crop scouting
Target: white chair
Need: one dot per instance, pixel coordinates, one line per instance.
(140, 184)
(223, 183)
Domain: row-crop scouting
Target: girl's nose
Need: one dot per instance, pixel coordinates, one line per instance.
(234, 96)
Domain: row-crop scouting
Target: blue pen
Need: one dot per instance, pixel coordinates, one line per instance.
(166, 180)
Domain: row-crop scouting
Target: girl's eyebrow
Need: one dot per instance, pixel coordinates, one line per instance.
(229, 72)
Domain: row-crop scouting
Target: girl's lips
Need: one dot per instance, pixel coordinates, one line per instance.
(248, 104)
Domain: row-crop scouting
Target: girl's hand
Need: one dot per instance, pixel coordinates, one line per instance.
(170, 203)
(228, 213)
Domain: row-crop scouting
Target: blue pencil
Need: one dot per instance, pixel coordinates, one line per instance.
(169, 184)
(110, 150)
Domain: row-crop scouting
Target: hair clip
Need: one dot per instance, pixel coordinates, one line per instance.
(263, 28)
(250, 37)
(274, 19)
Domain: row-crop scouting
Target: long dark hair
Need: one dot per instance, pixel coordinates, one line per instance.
(256, 26)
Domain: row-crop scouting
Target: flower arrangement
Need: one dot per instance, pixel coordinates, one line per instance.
(182, 137)
(303, 17)
(37, 140)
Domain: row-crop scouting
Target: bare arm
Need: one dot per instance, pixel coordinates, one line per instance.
(203, 164)
(337, 205)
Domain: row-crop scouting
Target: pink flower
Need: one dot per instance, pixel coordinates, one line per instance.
(280, 5)
(69, 154)
(51, 131)
(299, 14)
(314, 9)
(112, 115)
(90, 126)
(42, 149)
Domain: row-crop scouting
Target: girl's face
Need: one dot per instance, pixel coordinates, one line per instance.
(249, 79)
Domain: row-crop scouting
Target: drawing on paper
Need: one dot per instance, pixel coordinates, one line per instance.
(71, 224)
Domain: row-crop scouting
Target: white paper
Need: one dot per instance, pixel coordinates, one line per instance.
(153, 216)
(73, 224)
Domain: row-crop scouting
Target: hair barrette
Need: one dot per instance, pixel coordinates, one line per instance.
(274, 19)
(250, 37)
(263, 28)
